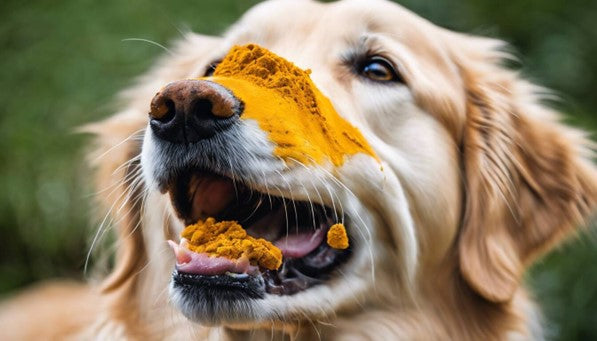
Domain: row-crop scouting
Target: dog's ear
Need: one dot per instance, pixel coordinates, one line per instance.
(529, 180)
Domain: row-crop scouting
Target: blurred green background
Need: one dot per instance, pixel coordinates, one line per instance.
(62, 62)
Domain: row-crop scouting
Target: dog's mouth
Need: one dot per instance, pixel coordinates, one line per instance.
(297, 228)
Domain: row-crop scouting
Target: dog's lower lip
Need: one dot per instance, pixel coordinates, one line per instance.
(220, 287)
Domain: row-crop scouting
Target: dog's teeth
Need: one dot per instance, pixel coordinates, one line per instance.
(184, 242)
(182, 254)
(236, 275)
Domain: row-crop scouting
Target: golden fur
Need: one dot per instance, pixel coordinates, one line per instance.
(479, 180)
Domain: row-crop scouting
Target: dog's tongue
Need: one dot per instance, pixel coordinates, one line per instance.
(299, 245)
(211, 194)
(292, 245)
(202, 264)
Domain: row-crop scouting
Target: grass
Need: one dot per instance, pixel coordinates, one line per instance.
(63, 61)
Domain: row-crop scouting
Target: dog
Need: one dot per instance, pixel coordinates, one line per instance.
(452, 179)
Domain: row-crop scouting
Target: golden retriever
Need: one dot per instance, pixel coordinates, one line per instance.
(463, 178)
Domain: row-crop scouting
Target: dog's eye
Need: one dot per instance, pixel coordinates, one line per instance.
(211, 68)
(379, 69)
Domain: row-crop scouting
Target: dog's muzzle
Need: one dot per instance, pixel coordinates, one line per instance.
(234, 147)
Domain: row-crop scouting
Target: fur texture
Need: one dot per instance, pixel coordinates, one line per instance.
(477, 179)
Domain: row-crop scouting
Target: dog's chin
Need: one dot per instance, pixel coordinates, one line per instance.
(217, 299)
(245, 294)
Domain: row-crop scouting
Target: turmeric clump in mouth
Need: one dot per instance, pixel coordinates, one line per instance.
(337, 237)
(228, 239)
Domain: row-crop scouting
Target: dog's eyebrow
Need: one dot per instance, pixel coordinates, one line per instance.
(359, 45)
(355, 48)
(366, 45)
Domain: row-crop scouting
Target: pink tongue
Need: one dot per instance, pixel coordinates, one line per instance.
(299, 245)
(202, 264)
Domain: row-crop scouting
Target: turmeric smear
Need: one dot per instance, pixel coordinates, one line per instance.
(282, 98)
(337, 237)
(228, 239)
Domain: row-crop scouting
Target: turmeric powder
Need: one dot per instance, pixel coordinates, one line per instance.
(228, 239)
(337, 237)
(298, 118)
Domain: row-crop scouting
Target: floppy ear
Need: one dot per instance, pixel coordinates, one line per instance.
(529, 179)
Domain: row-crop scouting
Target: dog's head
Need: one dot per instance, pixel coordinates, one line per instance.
(433, 156)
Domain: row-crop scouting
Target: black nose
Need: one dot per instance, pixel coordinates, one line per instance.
(188, 111)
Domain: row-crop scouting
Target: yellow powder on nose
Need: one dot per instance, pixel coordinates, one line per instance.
(298, 118)
(228, 239)
(337, 237)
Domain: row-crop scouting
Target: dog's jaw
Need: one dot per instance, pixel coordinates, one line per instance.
(348, 180)
(349, 287)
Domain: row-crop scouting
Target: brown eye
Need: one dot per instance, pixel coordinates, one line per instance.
(380, 70)
(211, 68)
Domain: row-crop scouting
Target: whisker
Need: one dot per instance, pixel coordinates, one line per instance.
(284, 203)
(356, 299)
(127, 163)
(117, 145)
(307, 192)
(313, 325)
(110, 215)
(254, 210)
(368, 236)
(131, 196)
(116, 185)
(101, 227)
(233, 178)
(149, 42)
(266, 189)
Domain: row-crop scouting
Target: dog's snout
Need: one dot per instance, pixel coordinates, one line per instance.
(188, 111)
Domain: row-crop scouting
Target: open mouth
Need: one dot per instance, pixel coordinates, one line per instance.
(297, 228)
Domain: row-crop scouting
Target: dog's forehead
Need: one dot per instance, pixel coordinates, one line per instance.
(319, 36)
(309, 28)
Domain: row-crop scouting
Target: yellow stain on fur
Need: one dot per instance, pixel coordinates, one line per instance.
(228, 239)
(337, 237)
(282, 98)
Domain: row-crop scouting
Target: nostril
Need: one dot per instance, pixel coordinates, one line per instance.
(202, 109)
(165, 112)
(188, 111)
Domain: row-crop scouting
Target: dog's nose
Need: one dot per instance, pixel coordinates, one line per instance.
(188, 111)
